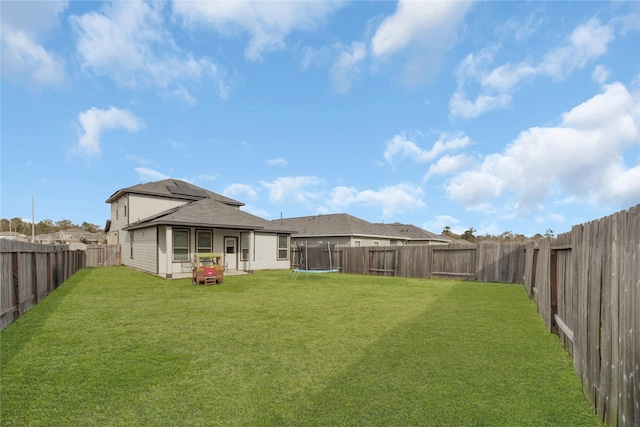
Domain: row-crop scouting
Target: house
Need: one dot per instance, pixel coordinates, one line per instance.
(347, 230)
(161, 225)
(69, 236)
(12, 235)
(413, 235)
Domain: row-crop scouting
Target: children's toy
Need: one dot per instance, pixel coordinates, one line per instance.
(207, 268)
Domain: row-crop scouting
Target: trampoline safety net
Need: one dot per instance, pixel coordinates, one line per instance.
(312, 257)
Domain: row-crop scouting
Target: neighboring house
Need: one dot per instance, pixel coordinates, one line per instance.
(161, 225)
(347, 230)
(413, 235)
(69, 236)
(12, 235)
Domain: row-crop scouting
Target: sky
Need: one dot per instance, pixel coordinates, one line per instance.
(497, 116)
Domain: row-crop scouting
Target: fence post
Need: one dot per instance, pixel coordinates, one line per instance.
(15, 276)
(553, 283)
(34, 277)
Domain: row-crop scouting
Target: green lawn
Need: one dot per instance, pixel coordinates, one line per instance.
(116, 347)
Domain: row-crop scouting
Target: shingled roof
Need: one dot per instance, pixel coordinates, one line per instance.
(175, 189)
(341, 224)
(412, 232)
(208, 213)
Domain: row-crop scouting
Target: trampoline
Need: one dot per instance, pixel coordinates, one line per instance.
(314, 259)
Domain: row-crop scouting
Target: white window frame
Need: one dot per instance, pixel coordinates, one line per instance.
(245, 235)
(199, 248)
(174, 247)
(131, 243)
(286, 248)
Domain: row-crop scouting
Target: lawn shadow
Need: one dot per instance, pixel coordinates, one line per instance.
(457, 363)
(16, 335)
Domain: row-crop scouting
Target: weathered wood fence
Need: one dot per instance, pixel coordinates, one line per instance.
(29, 272)
(487, 262)
(586, 284)
(102, 255)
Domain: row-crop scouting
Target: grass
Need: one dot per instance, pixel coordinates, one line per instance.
(116, 347)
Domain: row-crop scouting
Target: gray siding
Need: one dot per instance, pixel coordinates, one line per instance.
(141, 206)
(266, 253)
(145, 252)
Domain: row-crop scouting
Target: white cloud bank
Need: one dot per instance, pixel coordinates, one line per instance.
(423, 31)
(24, 59)
(392, 199)
(95, 121)
(129, 42)
(267, 23)
(400, 147)
(582, 157)
(496, 86)
(312, 192)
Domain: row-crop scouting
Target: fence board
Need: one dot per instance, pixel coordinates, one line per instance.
(29, 272)
(531, 255)
(597, 277)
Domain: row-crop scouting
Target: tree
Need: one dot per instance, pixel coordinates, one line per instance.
(446, 230)
(549, 233)
(507, 236)
(64, 223)
(91, 228)
(469, 234)
(45, 226)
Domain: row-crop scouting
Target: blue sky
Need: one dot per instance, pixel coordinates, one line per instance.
(501, 116)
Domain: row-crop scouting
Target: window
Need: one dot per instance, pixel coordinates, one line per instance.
(180, 244)
(244, 246)
(356, 243)
(125, 211)
(283, 246)
(204, 241)
(375, 243)
(131, 244)
(117, 208)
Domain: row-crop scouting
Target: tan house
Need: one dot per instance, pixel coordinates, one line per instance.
(161, 225)
(69, 236)
(347, 230)
(13, 235)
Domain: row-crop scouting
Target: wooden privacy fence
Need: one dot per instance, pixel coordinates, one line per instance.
(487, 262)
(586, 284)
(29, 272)
(102, 255)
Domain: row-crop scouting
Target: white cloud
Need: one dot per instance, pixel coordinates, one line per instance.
(278, 161)
(439, 222)
(267, 23)
(24, 59)
(423, 22)
(95, 121)
(128, 42)
(345, 69)
(460, 106)
(582, 157)
(448, 164)
(600, 74)
(239, 191)
(392, 199)
(296, 188)
(254, 210)
(423, 31)
(400, 147)
(148, 174)
(586, 42)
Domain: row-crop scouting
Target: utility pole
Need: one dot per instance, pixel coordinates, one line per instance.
(33, 221)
